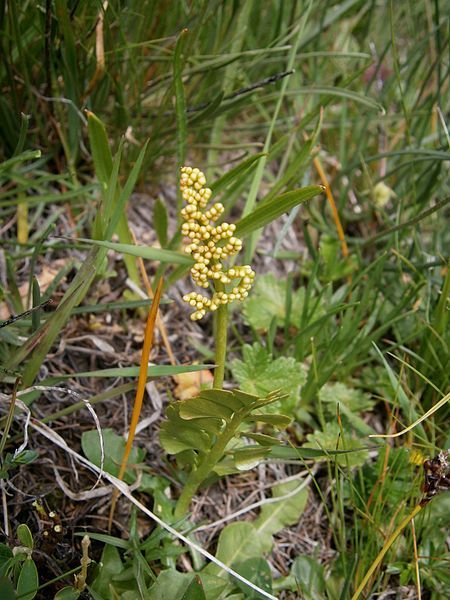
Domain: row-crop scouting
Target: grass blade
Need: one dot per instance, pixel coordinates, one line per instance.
(269, 211)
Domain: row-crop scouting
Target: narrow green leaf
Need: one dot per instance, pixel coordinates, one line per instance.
(126, 193)
(23, 157)
(292, 453)
(268, 212)
(106, 539)
(147, 252)
(152, 371)
(110, 306)
(180, 100)
(208, 111)
(101, 153)
(230, 176)
(25, 119)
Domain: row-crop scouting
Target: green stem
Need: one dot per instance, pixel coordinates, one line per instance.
(221, 342)
(197, 477)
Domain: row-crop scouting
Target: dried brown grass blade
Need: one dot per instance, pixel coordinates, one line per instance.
(146, 349)
(334, 210)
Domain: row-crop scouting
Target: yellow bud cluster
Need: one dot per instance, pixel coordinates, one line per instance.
(209, 245)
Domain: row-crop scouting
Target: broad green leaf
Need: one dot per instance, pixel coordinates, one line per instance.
(172, 585)
(24, 536)
(277, 515)
(110, 566)
(213, 585)
(237, 542)
(257, 570)
(147, 252)
(119, 206)
(331, 438)
(5, 553)
(28, 581)
(7, 591)
(267, 212)
(114, 449)
(194, 590)
(67, 593)
(309, 577)
(178, 436)
(268, 301)
(259, 373)
(249, 458)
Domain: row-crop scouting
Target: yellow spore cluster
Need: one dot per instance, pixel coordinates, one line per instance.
(209, 245)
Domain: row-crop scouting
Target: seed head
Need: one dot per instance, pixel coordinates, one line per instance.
(209, 245)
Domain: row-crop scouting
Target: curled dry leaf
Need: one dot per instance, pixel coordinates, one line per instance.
(189, 384)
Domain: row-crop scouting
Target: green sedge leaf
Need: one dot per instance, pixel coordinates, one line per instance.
(152, 371)
(147, 252)
(223, 182)
(267, 212)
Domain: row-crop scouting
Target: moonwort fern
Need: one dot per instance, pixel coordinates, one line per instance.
(206, 434)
